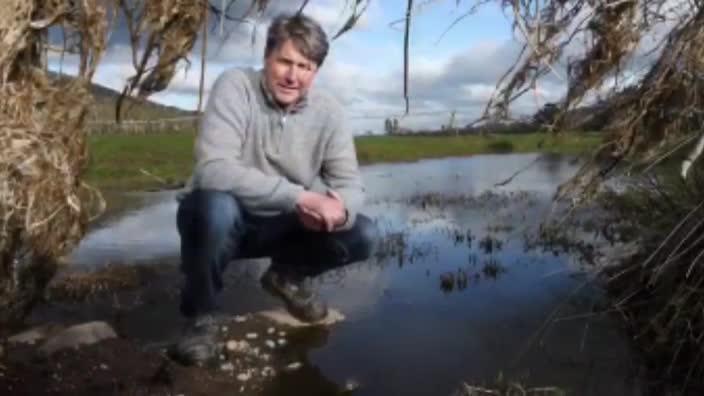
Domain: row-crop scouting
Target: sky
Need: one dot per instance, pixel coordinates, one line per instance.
(455, 72)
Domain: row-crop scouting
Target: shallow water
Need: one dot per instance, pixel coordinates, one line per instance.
(521, 312)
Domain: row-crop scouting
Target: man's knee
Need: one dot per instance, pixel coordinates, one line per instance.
(209, 211)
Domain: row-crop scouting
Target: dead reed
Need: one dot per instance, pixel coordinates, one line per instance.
(44, 205)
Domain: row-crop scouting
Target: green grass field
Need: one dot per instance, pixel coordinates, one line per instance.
(154, 161)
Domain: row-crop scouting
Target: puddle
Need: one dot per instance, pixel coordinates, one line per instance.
(454, 297)
(141, 226)
(135, 228)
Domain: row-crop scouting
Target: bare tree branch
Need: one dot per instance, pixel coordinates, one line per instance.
(406, 38)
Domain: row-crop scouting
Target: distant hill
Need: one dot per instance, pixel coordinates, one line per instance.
(138, 116)
(106, 100)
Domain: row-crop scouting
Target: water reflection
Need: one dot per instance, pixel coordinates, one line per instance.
(309, 377)
(143, 230)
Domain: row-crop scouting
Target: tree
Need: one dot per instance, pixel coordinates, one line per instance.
(547, 115)
(388, 127)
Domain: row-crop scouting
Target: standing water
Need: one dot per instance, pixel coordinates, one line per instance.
(453, 295)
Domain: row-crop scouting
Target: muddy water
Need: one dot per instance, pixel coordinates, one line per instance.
(412, 328)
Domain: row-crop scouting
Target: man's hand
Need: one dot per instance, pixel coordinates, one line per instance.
(328, 208)
(310, 219)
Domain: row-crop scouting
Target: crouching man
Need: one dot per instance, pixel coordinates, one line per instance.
(276, 175)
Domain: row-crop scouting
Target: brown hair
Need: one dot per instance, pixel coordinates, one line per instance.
(307, 35)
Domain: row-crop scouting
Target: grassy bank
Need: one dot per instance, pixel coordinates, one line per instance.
(372, 149)
(152, 161)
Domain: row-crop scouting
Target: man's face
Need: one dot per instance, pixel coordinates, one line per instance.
(288, 73)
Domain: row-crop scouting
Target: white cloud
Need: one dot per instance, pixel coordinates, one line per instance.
(366, 76)
(365, 68)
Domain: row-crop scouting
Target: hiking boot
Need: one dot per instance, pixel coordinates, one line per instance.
(199, 342)
(300, 300)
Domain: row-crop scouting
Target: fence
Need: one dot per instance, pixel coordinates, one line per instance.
(445, 120)
(143, 127)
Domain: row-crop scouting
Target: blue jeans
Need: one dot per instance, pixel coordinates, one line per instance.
(215, 229)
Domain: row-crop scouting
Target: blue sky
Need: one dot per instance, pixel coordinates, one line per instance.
(365, 66)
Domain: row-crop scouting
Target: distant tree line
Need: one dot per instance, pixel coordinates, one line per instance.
(584, 119)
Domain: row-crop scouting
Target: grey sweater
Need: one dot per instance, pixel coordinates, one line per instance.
(265, 156)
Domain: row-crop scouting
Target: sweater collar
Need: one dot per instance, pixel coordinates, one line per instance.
(295, 108)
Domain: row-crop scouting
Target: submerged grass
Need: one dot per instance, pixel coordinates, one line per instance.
(159, 160)
(658, 287)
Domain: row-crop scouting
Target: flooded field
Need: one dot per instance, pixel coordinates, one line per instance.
(454, 293)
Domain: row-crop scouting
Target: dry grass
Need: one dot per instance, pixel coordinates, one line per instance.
(44, 205)
(81, 286)
(509, 389)
(660, 288)
(663, 106)
(169, 28)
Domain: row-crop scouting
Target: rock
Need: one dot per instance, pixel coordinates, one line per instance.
(75, 336)
(270, 330)
(244, 377)
(238, 346)
(30, 337)
(252, 336)
(282, 317)
(282, 334)
(267, 371)
(294, 366)
(231, 345)
(281, 342)
(464, 390)
(104, 366)
(227, 366)
(240, 319)
(271, 344)
(351, 385)
(34, 335)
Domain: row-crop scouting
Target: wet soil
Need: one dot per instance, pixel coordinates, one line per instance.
(258, 355)
(123, 367)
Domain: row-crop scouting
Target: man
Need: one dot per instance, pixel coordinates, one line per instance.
(276, 175)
